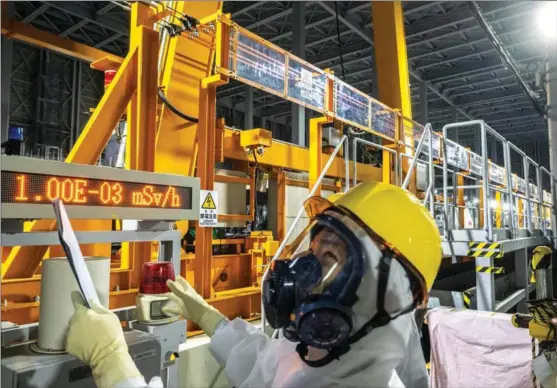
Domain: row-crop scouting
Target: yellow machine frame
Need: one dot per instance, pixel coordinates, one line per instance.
(160, 141)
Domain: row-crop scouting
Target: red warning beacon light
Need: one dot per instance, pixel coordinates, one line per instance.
(154, 277)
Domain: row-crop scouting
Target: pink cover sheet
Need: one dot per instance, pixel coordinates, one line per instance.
(474, 349)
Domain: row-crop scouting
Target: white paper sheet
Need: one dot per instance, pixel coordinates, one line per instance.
(68, 240)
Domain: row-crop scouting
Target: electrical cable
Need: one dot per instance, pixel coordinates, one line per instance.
(173, 109)
(506, 58)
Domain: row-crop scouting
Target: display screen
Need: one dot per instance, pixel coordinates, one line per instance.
(18, 187)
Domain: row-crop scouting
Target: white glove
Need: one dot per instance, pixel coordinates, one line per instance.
(192, 306)
(95, 337)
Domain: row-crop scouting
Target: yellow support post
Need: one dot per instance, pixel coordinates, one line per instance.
(141, 122)
(498, 210)
(315, 154)
(386, 170)
(460, 200)
(392, 67)
(520, 213)
(481, 207)
(206, 173)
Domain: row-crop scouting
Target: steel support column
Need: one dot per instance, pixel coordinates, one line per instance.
(141, 121)
(6, 73)
(551, 87)
(423, 103)
(485, 285)
(454, 114)
(298, 49)
(392, 64)
(521, 276)
(7, 54)
(248, 108)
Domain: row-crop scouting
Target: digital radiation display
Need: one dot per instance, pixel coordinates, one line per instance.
(29, 188)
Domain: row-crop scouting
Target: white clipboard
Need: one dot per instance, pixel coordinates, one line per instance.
(68, 240)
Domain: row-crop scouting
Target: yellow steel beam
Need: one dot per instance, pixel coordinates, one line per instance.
(206, 173)
(23, 261)
(24, 32)
(186, 63)
(141, 122)
(292, 157)
(392, 66)
(391, 58)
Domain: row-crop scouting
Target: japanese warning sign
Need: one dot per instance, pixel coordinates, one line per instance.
(208, 208)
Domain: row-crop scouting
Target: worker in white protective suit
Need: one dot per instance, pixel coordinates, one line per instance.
(342, 294)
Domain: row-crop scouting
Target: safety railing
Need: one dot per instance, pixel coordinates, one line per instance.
(242, 55)
(393, 152)
(499, 190)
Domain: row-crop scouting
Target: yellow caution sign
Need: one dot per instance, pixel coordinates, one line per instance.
(208, 208)
(209, 203)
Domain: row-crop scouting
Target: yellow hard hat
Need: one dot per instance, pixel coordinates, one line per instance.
(398, 218)
(334, 197)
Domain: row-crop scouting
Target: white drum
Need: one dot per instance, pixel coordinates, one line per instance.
(56, 307)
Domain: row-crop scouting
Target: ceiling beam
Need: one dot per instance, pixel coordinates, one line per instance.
(74, 28)
(439, 22)
(81, 10)
(29, 34)
(33, 15)
(473, 54)
(106, 9)
(247, 9)
(482, 66)
(367, 35)
(350, 21)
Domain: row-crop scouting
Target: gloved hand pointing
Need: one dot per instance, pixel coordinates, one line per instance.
(192, 306)
(95, 337)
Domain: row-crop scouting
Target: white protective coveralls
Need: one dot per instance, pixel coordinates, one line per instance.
(371, 362)
(388, 356)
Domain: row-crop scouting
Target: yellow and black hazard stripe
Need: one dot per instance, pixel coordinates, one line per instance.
(494, 270)
(466, 299)
(483, 245)
(492, 254)
(485, 249)
(540, 260)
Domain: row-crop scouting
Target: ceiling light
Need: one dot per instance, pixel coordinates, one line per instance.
(547, 19)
